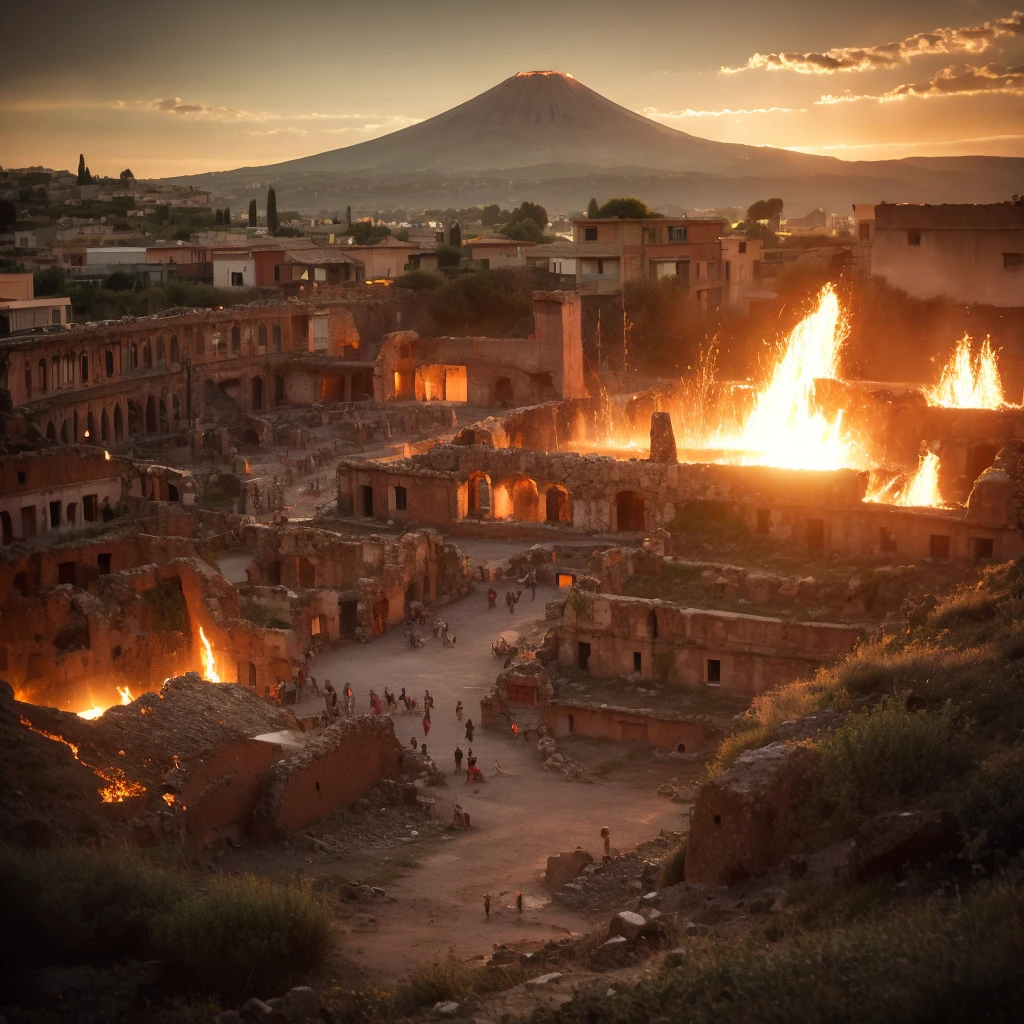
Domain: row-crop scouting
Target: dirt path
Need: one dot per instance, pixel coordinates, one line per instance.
(517, 822)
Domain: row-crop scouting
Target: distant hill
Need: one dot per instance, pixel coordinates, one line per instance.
(550, 131)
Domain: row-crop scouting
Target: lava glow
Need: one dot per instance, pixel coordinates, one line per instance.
(209, 664)
(968, 381)
(96, 710)
(922, 491)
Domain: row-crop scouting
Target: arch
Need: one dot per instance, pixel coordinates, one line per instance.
(90, 428)
(152, 416)
(104, 426)
(478, 494)
(84, 374)
(556, 505)
(630, 509)
(136, 422)
(7, 526)
(108, 360)
(525, 499)
(257, 393)
(652, 624)
(175, 411)
(503, 393)
(68, 370)
(132, 357)
(277, 337)
(64, 432)
(51, 432)
(161, 355)
(42, 375)
(261, 336)
(165, 423)
(55, 371)
(118, 424)
(147, 356)
(236, 340)
(175, 353)
(28, 381)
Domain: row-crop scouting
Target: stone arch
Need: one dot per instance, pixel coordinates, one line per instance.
(90, 428)
(277, 337)
(118, 424)
(161, 354)
(84, 369)
(175, 410)
(68, 370)
(478, 495)
(28, 380)
(175, 353)
(132, 357)
(257, 393)
(42, 375)
(51, 432)
(104, 426)
(556, 505)
(165, 423)
(261, 337)
(136, 422)
(55, 372)
(630, 509)
(147, 356)
(108, 359)
(152, 416)
(236, 340)
(503, 392)
(64, 432)
(524, 499)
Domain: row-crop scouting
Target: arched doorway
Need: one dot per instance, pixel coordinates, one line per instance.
(64, 432)
(236, 340)
(261, 337)
(503, 393)
(525, 499)
(118, 424)
(104, 426)
(90, 428)
(160, 356)
(556, 505)
(51, 432)
(7, 527)
(175, 356)
(151, 415)
(478, 494)
(257, 385)
(629, 508)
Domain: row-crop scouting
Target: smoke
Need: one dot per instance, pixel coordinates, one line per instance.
(972, 40)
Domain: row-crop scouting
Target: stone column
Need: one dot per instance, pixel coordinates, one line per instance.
(663, 439)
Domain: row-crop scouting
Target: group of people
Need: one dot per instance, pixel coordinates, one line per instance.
(337, 706)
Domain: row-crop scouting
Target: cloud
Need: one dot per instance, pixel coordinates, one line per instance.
(976, 39)
(201, 111)
(174, 105)
(655, 112)
(955, 80)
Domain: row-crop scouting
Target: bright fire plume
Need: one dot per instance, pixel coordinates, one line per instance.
(209, 664)
(921, 491)
(968, 381)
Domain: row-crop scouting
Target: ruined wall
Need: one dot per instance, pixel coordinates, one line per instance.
(685, 646)
(565, 718)
(334, 770)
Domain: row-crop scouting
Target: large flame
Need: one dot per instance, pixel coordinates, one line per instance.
(209, 664)
(968, 381)
(922, 490)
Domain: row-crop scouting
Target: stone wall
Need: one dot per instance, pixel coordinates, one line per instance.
(577, 718)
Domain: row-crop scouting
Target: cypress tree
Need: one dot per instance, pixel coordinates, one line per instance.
(252, 213)
(81, 169)
(455, 237)
(271, 210)
(220, 216)
(227, 214)
(592, 209)
(348, 215)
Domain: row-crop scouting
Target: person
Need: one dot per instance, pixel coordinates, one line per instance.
(606, 835)
(487, 906)
(375, 703)
(423, 749)
(519, 902)
(300, 682)
(426, 723)
(428, 701)
(412, 742)
(313, 683)
(459, 711)
(350, 700)
(492, 598)
(458, 760)
(389, 697)
(404, 699)
(469, 729)
(531, 582)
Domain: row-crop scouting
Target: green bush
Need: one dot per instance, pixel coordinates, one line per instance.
(887, 755)
(990, 808)
(260, 616)
(672, 867)
(419, 280)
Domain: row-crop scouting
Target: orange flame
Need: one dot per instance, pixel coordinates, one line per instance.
(922, 490)
(126, 695)
(209, 664)
(968, 381)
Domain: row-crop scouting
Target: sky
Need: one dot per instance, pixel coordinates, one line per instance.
(200, 85)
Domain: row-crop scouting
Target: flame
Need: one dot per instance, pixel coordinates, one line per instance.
(90, 713)
(118, 788)
(922, 491)
(126, 695)
(968, 381)
(209, 664)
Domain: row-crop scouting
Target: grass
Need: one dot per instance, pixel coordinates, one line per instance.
(220, 936)
(951, 960)
(260, 616)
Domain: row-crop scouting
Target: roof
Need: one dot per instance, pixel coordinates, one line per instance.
(992, 216)
(477, 243)
(323, 258)
(649, 220)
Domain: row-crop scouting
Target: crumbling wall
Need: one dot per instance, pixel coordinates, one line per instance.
(334, 770)
(579, 718)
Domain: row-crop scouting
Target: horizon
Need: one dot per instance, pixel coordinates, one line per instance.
(874, 83)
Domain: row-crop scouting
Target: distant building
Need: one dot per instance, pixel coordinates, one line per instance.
(20, 310)
(493, 253)
(964, 252)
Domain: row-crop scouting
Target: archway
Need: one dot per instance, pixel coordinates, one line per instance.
(90, 428)
(525, 499)
(85, 368)
(261, 337)
(236, 340)
(478, 494)
(104, 426)
(152, 420)
(118, 424)
(503, 393)
(629, 509)
(165, 425)
(132, 357)
(160, 354)
(556, 505)
(51, 432)
(28, 381)
(7, 527)
(175, 355)
(64, 432)
(42, 374)
(277, 337)
(257, 387)
(147, 356)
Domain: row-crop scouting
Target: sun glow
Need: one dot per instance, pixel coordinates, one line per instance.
(969, 381)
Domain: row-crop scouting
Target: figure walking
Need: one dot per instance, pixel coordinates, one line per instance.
(492, 598)
(458, 760)
(487, 906)
(469, 729)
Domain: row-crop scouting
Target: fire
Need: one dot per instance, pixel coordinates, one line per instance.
(209, 664)
(90, 713)
(968, 381)
(922, 491)
(126, 695)
(118, 788)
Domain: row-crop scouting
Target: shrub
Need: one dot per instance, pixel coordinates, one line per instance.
(418, 280)
(260, 616)
(990, 807)
(889, 754)
(673, 866)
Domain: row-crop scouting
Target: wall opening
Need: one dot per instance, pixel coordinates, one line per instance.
(582, 655)
(257, 387)
(367, 496)
(938, 545)
(982, 456)
(478, 494)
(981, 548)
(306, 573)
(630, 510)
(103, 563)
(525, 500)
(151, 415)
(638, 661)
(503, 393)
(714, 671)
(764, 521)
(556, 505)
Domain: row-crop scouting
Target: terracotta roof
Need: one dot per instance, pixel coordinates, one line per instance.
(322, 257)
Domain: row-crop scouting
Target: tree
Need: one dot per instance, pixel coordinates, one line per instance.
(252, 213)
(593, 210)
(626, 208)
(448, 256)
(126, 175)
(764, 209)
(523, 230)
(490, 215)
(227, 214)
(81, 169)
(8, 214)
(286, 231)
(365, 232)
(348, 215)
(271, 210)
(50, 281)
(88, 176)
(530, 211)
(455, 237)
(220, 216)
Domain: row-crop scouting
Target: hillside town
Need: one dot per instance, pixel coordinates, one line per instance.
(531, 610)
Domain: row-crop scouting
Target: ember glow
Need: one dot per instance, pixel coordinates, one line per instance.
(96, 710)
(209, 664)
(969, 381)
(921, 491)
